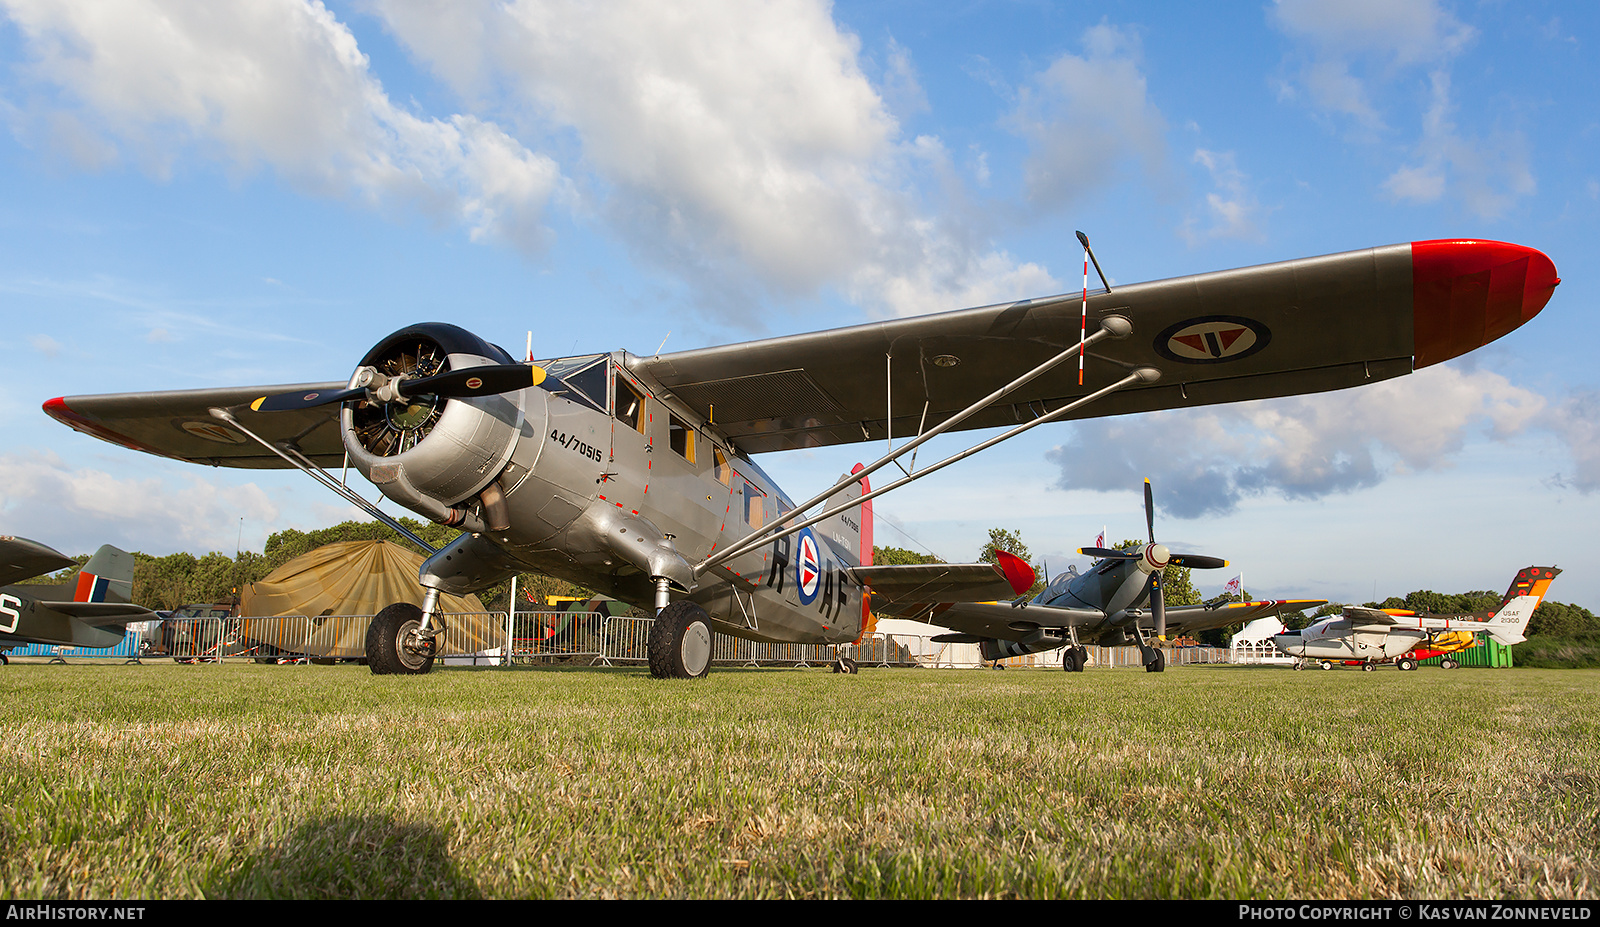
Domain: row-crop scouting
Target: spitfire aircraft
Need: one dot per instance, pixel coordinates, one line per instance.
(1118, 601)
(92, 610)
(633, 476)
(1377, 635)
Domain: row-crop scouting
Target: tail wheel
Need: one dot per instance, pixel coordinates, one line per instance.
(680, 642)
(393, 644)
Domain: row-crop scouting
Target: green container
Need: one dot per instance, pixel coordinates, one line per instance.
(1486, 652)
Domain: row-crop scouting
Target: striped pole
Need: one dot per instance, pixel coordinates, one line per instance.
(1083, 332)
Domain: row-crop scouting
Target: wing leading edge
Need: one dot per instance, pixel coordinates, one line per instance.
(1300, 326)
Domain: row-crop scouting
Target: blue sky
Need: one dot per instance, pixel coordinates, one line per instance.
(216, 194)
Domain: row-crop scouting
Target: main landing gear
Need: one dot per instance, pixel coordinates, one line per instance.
(395, 643)
(1074, 659)
(680, 642)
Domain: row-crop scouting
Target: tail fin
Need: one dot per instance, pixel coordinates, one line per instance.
(853, 529)
(107, 577)
(1509, 621)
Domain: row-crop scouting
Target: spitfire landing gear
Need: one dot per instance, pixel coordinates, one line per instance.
(1074, 659)
(680, 642)
(395, 643)
(1155, 660)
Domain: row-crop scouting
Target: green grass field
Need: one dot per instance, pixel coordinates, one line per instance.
(166, 781)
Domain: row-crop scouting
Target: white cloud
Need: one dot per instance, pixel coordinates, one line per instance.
(78, 509)
(1489, 171)
(45, 345)
(1086, 117)
(1576, 421)
(1204, 461)
(738, 146)
(279, 83)
(1231, 209)
(1353, 50)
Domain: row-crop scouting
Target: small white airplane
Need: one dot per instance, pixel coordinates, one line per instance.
(1378, 635)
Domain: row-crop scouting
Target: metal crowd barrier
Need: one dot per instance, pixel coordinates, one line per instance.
(586, 638)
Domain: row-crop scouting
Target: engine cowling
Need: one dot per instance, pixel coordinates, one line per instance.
(426, 452)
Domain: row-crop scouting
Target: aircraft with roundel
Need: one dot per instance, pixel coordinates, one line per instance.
(93, 609)
(635, 476)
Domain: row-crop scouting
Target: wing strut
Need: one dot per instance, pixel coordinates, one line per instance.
(773, 532)
(301, 463)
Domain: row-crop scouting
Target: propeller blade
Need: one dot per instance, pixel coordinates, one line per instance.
(475, 381)
(1149, 511)
(1158, 605)
(1107, 553)
(290, 402)
(1198, 561)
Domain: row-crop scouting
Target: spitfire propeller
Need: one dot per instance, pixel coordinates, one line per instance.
(1155, 557)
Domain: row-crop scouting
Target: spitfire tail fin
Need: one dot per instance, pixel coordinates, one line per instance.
(1510, 620)
(107, 577)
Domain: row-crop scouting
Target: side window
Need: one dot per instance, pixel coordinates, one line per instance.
(630, 406)
(681, 437)
(754, 505)
(724, 473)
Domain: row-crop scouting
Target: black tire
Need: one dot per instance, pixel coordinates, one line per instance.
(1367, 667)
(386, 650)
(1326, 665)
(1405, 664)
(1157, 662)
(681, 642)
(1069, 657)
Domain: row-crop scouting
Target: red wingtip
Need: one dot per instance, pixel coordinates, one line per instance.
(1466, 293)
(57, 409)
(1016, 571)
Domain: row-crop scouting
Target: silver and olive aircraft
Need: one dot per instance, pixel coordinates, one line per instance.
(91, 610)
(1370, 636)
(1117, 602)
(633, 475)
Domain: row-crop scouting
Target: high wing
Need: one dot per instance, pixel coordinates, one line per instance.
(1299, 326)
(21, 558)
(1001, 621)
(1370, 619)
(179, 424)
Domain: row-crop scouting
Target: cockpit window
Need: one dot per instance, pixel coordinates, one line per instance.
(591, 382)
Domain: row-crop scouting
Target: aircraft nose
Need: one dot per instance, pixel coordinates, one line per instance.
(1465, 294)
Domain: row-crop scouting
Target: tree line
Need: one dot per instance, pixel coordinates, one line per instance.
(166, 583)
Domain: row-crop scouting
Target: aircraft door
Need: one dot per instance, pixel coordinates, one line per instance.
(630, 466)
